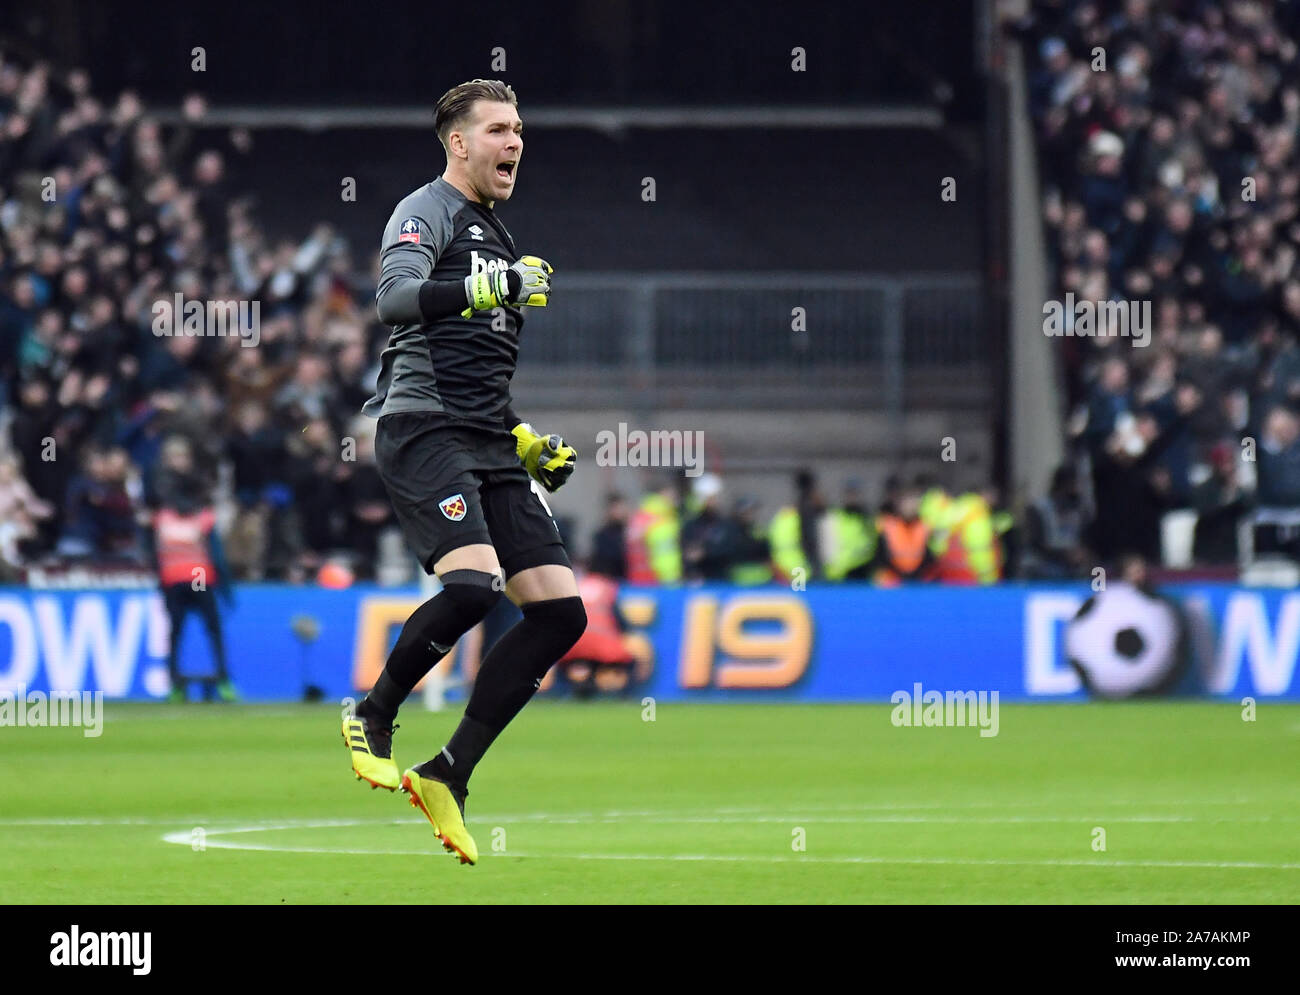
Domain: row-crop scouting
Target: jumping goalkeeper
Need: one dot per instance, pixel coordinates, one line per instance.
(457, 461)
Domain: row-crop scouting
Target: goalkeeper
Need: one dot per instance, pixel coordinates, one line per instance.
(457, 461)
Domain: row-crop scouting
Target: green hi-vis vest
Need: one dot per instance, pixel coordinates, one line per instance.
(663, 540)
(854, 538)
(786, 540)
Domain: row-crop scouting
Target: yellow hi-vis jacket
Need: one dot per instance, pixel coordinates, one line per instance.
(786, 538)
(972, 552)
(654, 549)
(854, 540)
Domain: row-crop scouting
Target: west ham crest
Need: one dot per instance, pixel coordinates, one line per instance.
(453, 508)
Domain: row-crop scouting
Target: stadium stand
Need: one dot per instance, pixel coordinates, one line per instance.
(109, 211)
(1167, 149)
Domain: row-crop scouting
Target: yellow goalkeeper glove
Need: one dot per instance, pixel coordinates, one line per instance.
(526, 283)
(547, 458)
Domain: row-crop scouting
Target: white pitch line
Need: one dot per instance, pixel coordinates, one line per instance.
(73, 822)
(183, 838)
(178, 820)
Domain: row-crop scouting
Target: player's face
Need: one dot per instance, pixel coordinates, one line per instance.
(496, 143)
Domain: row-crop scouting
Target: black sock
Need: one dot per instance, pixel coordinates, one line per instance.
(383, 701)
(508, 678)
(428, 635)
(455, 761)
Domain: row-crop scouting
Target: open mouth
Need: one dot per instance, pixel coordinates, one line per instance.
(506, 170)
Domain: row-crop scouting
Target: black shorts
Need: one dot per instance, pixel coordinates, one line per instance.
(453, 486)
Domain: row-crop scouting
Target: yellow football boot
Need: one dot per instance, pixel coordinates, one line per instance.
(444, 810)
(371, 747)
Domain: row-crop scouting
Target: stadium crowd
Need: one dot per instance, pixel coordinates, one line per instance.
(106, 215)
(1167, 137)
(1167, 147)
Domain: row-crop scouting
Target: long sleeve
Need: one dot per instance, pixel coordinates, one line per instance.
(411, 247)
(404, 270)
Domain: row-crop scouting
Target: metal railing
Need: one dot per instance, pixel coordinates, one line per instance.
(788, 335)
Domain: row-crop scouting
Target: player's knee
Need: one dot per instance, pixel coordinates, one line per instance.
(473, 592)
(564, 618)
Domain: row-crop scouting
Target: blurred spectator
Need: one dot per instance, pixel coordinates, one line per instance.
(602, 659)
(1054, 531)
(968, 548)
(364, 501)
(608, 545)
(889, 494)
(904, 542)
(176, 480)
(147, 424)
(1278, 494)
(192, 574)
(795, 532)
(100, 520)
(933, 507)
(1104, 187)
(753, 557)
(1279, 460)
(654, 552)
(1220, 504)
(261, 541)
(309, 394)
(852, 538)
(708, 539)
(1129, 490)
(20, 509)
(37, 438)
(1109, 402)
(318, 476)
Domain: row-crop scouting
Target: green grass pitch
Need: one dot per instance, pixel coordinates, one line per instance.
(706, 804)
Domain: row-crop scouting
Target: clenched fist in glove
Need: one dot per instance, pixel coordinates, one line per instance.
(547, 458)
(526, 283)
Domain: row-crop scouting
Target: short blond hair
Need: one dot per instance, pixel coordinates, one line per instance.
(454, 106)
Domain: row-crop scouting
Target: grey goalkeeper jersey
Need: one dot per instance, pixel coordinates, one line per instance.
(459, 366)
